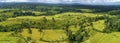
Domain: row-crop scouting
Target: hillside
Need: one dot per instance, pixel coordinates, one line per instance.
(44, 23)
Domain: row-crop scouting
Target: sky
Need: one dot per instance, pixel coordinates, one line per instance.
(94, 2)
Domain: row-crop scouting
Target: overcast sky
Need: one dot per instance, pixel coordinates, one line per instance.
(69, 1)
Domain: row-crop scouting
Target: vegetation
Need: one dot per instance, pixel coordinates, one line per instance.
(32, 23)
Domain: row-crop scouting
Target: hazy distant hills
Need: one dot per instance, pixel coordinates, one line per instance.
(76, 5)
(87, 2)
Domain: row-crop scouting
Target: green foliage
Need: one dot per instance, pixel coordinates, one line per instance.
(3, 17)
(112, 24)
(55, 17)
(114, 12)
(20, 13)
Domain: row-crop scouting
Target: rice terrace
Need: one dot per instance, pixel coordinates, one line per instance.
(59, 21)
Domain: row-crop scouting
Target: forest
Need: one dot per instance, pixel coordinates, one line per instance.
(59, 23)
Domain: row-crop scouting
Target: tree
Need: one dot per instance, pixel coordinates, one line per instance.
(39, 26)
(27, 25)
(18, 28)
(3, 17)
(114, 12)
(112, 24)
(45, 19)
(26, 13)
(53, 19)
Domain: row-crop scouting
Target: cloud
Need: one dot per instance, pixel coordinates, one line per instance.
(68, 1)
(113, 0)
(14, 1)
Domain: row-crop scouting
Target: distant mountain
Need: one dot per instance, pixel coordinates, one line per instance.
(32, 4)
(88, 2)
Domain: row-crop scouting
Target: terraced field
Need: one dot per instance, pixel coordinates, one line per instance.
(54, 30)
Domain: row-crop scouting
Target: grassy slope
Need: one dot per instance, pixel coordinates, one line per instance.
(97, 37)
(104, 38)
